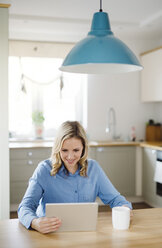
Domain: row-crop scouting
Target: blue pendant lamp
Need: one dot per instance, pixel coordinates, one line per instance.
(100, 52)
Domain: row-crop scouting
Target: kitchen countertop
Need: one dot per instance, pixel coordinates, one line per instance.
(112, 143)
(49, 144)
(31, 144)
(157, 145)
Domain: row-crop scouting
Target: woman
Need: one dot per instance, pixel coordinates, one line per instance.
(68, 176)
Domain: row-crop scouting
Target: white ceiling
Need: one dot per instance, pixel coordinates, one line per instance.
(70, 20)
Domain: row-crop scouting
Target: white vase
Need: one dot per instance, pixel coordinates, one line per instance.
(39, 130)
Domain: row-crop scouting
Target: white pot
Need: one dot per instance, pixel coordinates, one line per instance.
(39, 130)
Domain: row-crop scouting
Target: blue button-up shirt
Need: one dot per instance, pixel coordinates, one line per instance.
(66, 188)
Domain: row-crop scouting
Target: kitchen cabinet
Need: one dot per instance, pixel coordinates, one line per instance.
(119, 165)
(149, 185)
(151, 76)
(23, 162)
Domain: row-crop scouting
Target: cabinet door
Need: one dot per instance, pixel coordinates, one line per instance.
(22, 170)
(92, 153)
(151, 76)
(23, 162)
(149, 186)
(30, 153)
(119, 165)
(17, 191)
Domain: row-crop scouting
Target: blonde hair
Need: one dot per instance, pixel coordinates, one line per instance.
(69, 129)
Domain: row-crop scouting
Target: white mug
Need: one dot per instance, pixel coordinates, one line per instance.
(121, 218)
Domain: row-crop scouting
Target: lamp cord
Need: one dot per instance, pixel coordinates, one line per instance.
(100, 5)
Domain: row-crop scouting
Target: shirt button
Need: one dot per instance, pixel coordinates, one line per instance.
(76, 191)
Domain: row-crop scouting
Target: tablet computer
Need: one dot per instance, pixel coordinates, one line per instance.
(74, 216)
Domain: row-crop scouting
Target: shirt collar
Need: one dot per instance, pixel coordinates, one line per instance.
(63, 171)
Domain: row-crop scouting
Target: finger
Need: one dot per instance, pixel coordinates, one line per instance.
(131, 213)
(47, 225)
(50, 220)
(53, 223)
(50, 225)
(55, 219)
(55, 226)
(50, 229)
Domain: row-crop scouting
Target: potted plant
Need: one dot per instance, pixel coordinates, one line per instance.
(38, 119)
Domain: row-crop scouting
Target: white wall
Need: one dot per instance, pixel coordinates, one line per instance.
(122, 92)
(119, 91)
(4, 150)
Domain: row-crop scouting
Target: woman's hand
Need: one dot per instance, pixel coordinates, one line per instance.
(46, 224)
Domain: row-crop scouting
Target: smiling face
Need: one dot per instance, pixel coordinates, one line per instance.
(71, 152)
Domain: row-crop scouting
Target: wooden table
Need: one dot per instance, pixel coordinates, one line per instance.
(145, 231)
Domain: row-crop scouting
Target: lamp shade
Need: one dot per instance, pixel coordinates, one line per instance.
(100, 52)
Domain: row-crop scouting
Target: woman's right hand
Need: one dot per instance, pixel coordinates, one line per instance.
(46, 224)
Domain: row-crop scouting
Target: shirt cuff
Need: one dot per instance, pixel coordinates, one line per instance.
(27, 222)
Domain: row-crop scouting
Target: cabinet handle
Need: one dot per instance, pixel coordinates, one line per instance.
(30, 162)
(100, 149)
(30, 154)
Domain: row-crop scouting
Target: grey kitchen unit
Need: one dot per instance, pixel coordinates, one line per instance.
(119, 165)
(149, 185)
(23, 162)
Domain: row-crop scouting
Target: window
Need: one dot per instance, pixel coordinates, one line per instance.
(36, 83)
